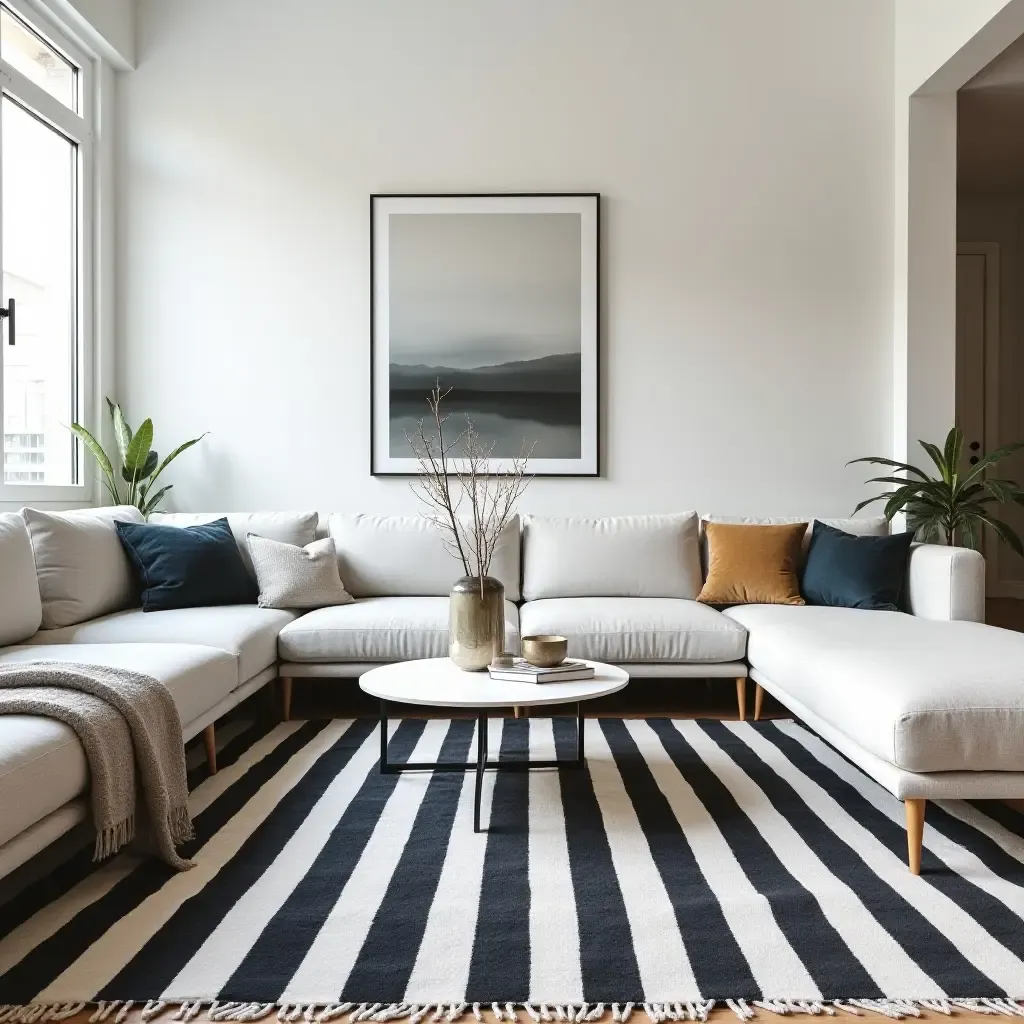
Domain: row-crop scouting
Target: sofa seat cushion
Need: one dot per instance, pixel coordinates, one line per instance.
(42, 764)
(42, 767)
(925, 696)
(245, 631)
(378, 629)
(637, 629)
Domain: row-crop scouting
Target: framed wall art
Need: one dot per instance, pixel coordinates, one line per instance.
(495, 297)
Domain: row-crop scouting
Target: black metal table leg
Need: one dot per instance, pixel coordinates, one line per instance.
(481, 766)
(482, 763)
(579, 735)
(385, 767)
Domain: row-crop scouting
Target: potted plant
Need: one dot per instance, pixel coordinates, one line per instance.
(953, 507)
(139, 465)
(470, 509)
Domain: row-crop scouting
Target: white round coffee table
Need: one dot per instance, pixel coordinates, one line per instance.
(438, 682)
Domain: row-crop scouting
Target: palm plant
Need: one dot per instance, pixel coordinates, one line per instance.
(952, 508)
(138, 463)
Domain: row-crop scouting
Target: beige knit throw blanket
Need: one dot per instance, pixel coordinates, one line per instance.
(129, 727)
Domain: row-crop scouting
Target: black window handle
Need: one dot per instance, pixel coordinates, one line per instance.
(7, 312)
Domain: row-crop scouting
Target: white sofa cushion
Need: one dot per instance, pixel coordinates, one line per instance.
(860, 526)
(244, 631)
(946, 583)
(620, 630)
(618, 556)
(378, 629)
(21, 609)
(297, 528)
(406, 556)
(297, 577)
(42, 765)
(81, 567)
(925, 696)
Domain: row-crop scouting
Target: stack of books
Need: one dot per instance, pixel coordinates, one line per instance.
(521, 671)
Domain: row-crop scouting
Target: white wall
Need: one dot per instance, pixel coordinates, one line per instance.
(745, 152)
(939, 46)
(105, 27)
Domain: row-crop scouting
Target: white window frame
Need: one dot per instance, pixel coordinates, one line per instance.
(79, 128)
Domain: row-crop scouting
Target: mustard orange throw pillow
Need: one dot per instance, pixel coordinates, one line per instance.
(753, 564)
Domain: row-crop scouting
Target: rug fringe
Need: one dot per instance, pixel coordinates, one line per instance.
(117, 1011)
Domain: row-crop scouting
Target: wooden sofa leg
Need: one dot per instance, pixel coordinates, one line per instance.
(741, 697)
(758, 701)
(915, 833)
(286, 698)
(210, 739)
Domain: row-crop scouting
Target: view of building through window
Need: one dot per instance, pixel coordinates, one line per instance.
(40, 271)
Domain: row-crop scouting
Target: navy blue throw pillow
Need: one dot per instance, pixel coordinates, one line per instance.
(846, 571)
(187, 567)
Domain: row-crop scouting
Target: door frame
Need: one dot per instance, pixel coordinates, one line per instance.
(995, 585)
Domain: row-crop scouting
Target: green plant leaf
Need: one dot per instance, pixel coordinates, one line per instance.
(997, 491)
(97, 452)
(900, 481)
(925, 529)
(937, 457)
(150, 506)
(138, 451)
(869, 501)
(897, 500)
(122, 432)
(970, 534)
(177, 451)
(991, 459)
(147, 468)
(953, 449)
(876, 460)
(1005, 532)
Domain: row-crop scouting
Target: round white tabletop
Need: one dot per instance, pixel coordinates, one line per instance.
(438, 682)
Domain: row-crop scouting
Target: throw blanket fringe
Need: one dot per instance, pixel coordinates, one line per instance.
(111, 839)
(117, 1012)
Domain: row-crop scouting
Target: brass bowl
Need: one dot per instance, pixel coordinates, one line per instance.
(545, 651)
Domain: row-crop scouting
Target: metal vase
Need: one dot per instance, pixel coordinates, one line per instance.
(476, 622)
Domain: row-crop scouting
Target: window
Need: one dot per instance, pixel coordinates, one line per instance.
(45, 170)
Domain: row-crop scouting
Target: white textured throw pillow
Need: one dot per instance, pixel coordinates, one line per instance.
(294, 577)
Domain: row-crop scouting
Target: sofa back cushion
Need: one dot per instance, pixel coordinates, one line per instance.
(406, 556)
(619, 556)
(21, 610)
(298, 528)
(867, 526)
(81, 567)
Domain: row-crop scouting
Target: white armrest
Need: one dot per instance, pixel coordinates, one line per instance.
(946, 583)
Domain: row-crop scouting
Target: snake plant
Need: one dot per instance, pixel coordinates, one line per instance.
(138, 464)
(955, 506)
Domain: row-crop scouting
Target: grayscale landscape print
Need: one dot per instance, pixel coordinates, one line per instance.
(489, 305)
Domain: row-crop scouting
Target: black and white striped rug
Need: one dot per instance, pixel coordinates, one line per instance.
(691, 861)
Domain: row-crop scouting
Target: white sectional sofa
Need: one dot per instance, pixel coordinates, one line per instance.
(929, 702)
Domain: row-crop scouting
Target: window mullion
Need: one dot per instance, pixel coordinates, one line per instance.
(42, 104)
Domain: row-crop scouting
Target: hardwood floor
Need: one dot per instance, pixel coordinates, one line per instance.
(643, 698)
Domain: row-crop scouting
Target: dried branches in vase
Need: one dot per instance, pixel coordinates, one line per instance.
(470, 507)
